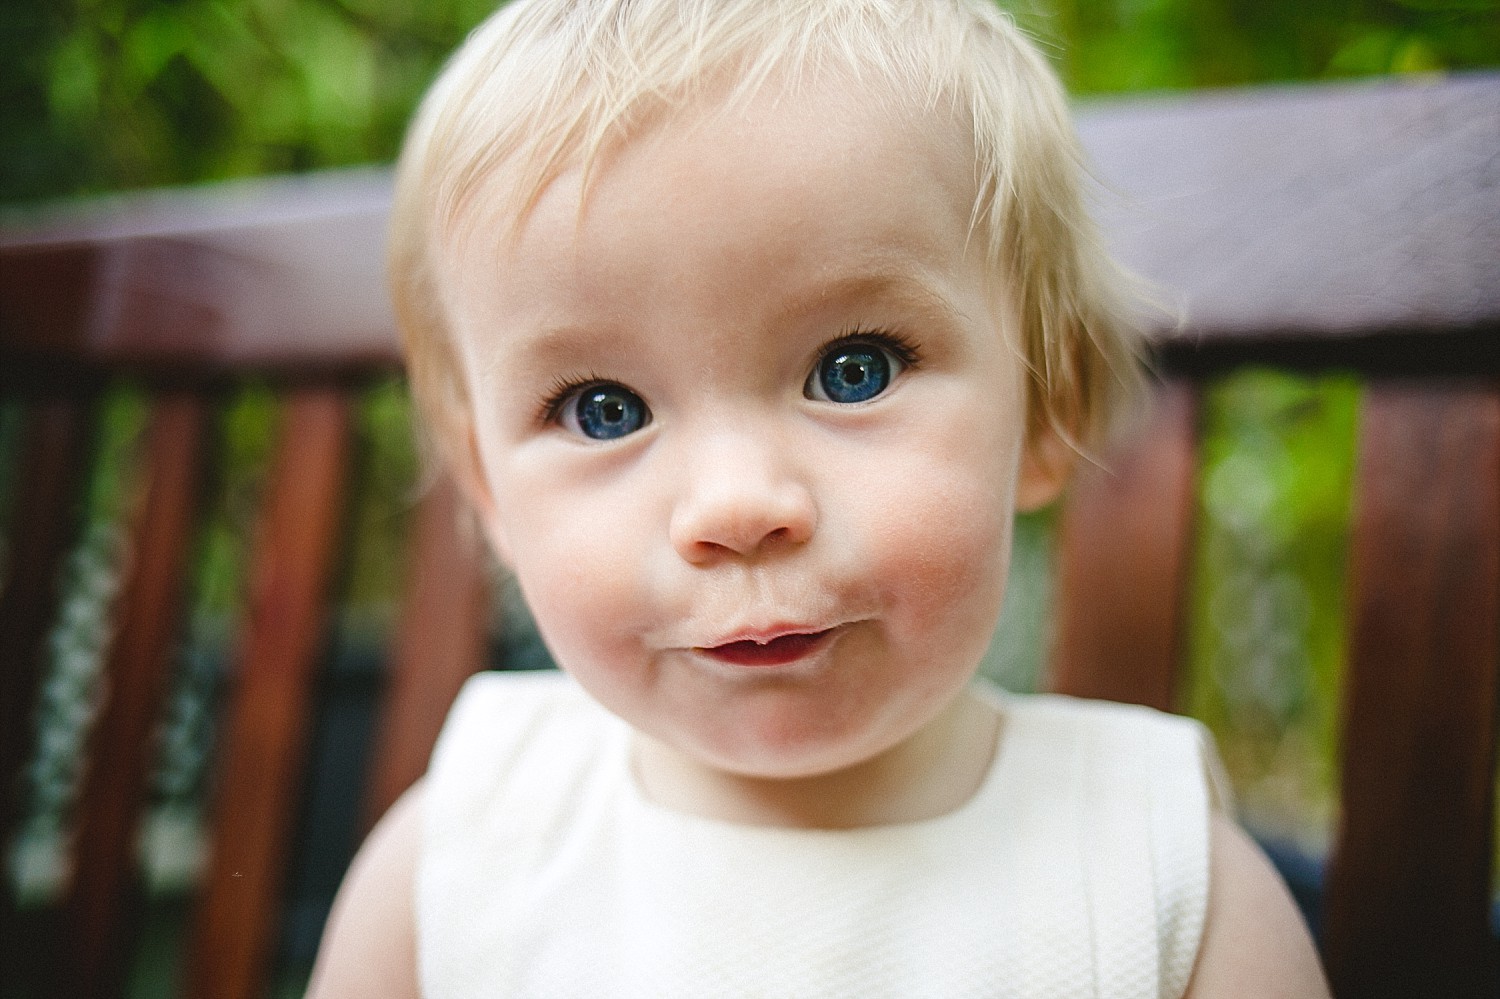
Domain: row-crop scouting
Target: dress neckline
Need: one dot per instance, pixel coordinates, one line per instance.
(666, 820)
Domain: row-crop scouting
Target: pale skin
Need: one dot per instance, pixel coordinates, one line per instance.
(717, 271)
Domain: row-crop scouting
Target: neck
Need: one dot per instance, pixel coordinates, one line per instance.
(934, 772)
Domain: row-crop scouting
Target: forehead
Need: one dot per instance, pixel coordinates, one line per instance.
(829, 190)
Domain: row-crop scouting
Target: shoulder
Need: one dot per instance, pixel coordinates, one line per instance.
(1254, 942)
(1063, 711)
(529, 727)
(1143, 791)
(496, 698)
(369, 943)
(1134, 743)
(1247, 938)
(501, 719)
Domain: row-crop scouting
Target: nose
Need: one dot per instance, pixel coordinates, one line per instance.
(742, 495)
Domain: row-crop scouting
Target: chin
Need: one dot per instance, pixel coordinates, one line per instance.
(790, 750)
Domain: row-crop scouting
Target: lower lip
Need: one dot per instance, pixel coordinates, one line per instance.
(776, 652)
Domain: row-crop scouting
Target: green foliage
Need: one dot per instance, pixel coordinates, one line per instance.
(108, 94)
(77, 643)
(384, 496)
(113, 94)
(247, 429)
(1128, 45)
(1015, 658)
(1266, 631)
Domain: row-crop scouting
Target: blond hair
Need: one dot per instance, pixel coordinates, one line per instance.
(546, 85)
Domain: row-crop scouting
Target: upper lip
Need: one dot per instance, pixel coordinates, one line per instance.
(765, 635)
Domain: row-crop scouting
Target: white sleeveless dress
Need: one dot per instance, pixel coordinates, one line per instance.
(1079, 869)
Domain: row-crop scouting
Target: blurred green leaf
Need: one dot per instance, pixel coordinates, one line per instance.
(1266, 633)
(111, 94)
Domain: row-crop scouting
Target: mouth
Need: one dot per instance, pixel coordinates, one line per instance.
(777, 651)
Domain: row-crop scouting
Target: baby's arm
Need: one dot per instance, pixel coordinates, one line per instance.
(369, 945)
(1254, 942)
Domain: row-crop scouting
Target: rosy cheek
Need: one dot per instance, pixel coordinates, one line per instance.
(943, 543)
(950, 561)
(573, 569)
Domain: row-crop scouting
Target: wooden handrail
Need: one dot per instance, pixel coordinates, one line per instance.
(1310, 212)
(286, 275)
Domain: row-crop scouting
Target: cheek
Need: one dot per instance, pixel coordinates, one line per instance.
(944, 555)
(575, 567)
(940, 536)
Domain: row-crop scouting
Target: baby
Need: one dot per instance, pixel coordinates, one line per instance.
(746, 326)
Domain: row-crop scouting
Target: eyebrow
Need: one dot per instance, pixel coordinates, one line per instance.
(550, 346)
(896, 287)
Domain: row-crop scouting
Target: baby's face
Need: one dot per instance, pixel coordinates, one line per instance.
(749, 430)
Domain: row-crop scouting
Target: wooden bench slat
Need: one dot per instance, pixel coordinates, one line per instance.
(281, 274)
(1123, 545)
(266, 726)
(1408, 889)
(439, 644)
(104, 897)
(1315, 213)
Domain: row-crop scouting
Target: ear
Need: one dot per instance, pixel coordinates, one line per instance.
(1046, 465)
(468, 474)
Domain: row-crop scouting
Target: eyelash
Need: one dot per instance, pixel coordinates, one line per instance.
(905, 350)
(561, 390)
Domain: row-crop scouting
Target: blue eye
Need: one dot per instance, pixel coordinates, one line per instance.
(853, 372)
(605, 412)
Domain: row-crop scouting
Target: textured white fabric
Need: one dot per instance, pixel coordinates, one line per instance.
(1079, 869)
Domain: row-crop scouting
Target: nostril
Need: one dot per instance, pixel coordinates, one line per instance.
(740, 507)
(711, 531)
